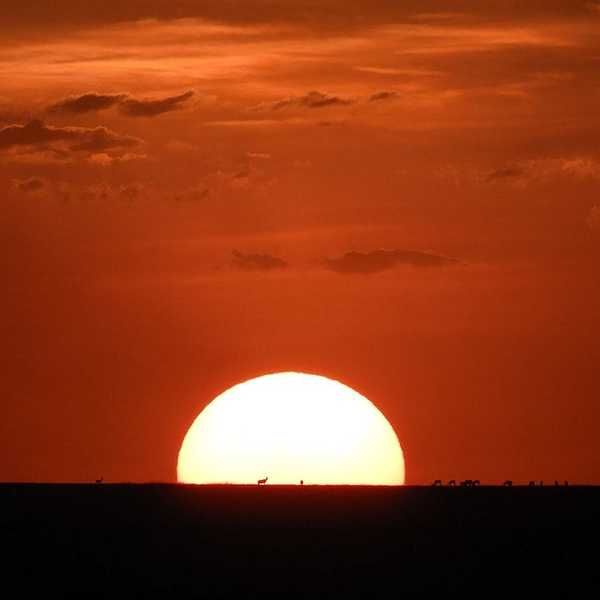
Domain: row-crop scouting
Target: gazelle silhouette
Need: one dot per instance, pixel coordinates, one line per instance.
(262, 481)
(437, 483)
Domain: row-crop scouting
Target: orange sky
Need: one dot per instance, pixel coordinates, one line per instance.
(412, 195)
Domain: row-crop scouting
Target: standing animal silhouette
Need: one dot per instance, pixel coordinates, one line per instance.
(262, 481)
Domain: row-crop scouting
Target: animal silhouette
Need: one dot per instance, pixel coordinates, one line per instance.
(437, 483)
(508, 483)
(100, 480)
(262, 481)
(452, 482)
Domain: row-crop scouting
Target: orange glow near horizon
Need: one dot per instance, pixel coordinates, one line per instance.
(291, 427)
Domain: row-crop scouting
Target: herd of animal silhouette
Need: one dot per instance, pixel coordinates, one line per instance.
(436, 483)
(475, 483)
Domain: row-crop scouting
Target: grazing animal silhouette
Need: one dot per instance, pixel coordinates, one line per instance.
(452, 482)
(566, 482)
(532, 483)
(508, 483)
(437, 483)
(476, 482)
(262, 481)
(100, 480)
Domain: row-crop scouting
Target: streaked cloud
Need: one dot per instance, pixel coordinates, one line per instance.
(152, 108)
(90, 102)
(257, 262)
(367, 263)
(383, 95)
(127, 105)
(30, 185)
(312, 99)
(37, 135)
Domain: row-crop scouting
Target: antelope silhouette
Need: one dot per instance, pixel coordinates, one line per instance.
(437, 483)
(508, 483)
(262, 481)
(100, 480)
(452, 482)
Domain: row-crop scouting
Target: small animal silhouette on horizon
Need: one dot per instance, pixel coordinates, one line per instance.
(101, 480)
(262, 481)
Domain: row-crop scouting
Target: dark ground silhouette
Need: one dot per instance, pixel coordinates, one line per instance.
(163, 541)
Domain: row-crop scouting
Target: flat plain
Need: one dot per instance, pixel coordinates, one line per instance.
(160, 540)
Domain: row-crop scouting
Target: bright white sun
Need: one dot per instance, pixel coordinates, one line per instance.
(291, 427)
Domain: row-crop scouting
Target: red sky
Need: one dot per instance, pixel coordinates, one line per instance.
(412, 194)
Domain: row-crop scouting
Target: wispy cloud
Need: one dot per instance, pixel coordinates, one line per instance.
(257, 262)
(90, 102)
(367, 263)
(30, 185)
(128, 105)
(312, 99)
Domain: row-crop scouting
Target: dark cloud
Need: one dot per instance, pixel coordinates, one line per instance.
(151, 108)
(31, 185)
(383, 95)
(90, 102)
(312, 99)
(132, 107)
(545, 170)
(34, 133)
(193, 195)
(101, 138)
(335, 15)
(39, 136)
(513, 172)
(257, 262)
(381, 260)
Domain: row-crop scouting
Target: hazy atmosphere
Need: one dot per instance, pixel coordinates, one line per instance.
(401, 196)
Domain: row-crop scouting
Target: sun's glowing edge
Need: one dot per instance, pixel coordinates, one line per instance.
(289, 426)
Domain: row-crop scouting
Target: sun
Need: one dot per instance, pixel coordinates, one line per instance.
(291, 427)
